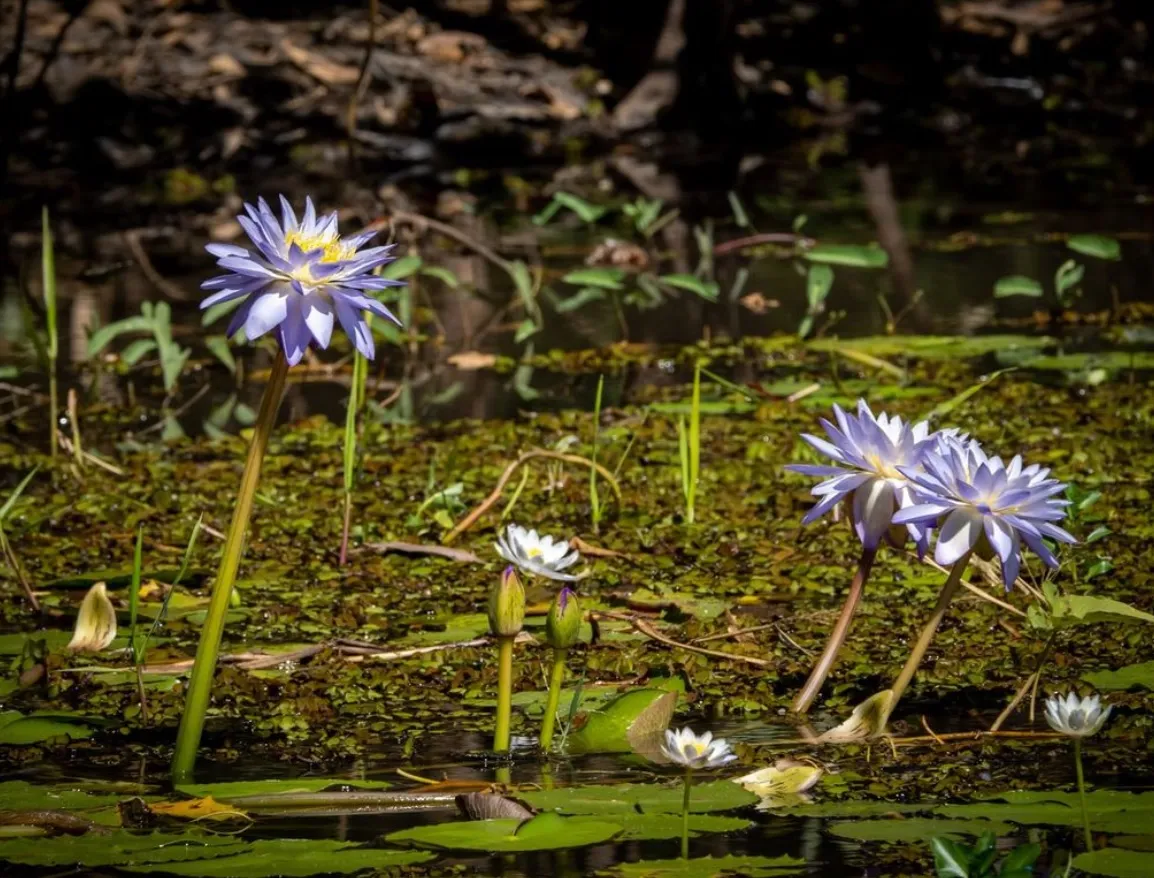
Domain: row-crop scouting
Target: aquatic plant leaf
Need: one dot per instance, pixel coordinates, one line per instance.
(613, 799)
(95, 623)
(490, 806)
(1116, 863)
(1130, 677)
(226, 792)
(542, 833)
(602, 278)
(116, 578)
(16, 643)
(24, 796)
(119, 848)
(1068, 611)
(911, 829)
(781, 782)
(219, 347)
(399, 269)
(818, 283)
(444, 275)
(18, 730)
(947, 407)
(1109, 810)
(851, 255)
(935, 347)
(952, 860)
(207, 808)
(650, 827)
(711, 867)
(583, 297)
(708, 290)
(1017, 285)
(610, 728)
(1097, 246)
(290, 858)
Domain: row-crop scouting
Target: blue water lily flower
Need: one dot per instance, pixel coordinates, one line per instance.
(869, 453)
(301, 279)
(985, 505)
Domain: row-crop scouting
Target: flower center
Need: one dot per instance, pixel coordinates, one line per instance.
(333, 248)
(884, 467)
(534, 552)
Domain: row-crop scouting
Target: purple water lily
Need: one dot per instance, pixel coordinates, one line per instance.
(869, 453)
(985, 505)
(302, 278)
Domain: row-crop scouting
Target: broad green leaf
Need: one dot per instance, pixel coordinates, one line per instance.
(648, 827)
(1109, 810)
(99, 340)
(527, 329)
(1097, 246)
(588, 212)
(818, 282)
(1140, 676)
(1017, 285)
(913, 829)
(233, 790)
(120, 849)
(402, 268)
(1116, 863)
(708, 290)
(442, 274)
(583, 298)
(623, 722)
(213, 314)
(137, 350)
(603, 278)
(947, 407)
(24, 796)
(1068, 611)
(1020, 860)
(712, 867)
(219, 347)
(1068, 275)
(852, 255)
(544, 832)
(292, 858)
(609, 800)
(951, 859)
(18, 730)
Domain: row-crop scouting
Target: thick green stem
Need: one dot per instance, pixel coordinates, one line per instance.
(504, 694)
(820, 672)
(953, 583)
(1082, 794)
(200, 682)
(685, 814)
(556, 678)
(348, 520)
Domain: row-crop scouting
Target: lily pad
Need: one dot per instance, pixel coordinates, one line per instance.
(292, 858)
(934, 347)
(542, 833)
(605, 800)
(1140, 676)
(656, 826)
(21, 795)
(709, 867)
(1109, 810)
(18, 730)
(227, 792)
(119, 848)
(1116, 863)
(914, 829)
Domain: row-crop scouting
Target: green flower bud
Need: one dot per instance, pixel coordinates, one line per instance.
(507, 605)
(563, 624)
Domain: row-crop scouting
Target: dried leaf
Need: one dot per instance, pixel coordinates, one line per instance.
(867, 720)
(207, 808)
(318, 66)
(471, 361)
(96, 622)
(488, 806)
(781, 784)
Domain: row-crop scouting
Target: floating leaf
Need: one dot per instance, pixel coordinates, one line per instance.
(1140, 676)
(1116, 863)
(1109, 810)
(627, 719)
(851, 255)
(542, 833)
(490, 806)
(228, 792)
(1068, 611)
(1017, 285)
(606, 800)
(1097, 246)
(95, 623)
(602, 278)
(18, 730)
(290, 858)
(25, 796)
(911, 829)
(207, 808)
(649, 827)
(121, 849)
(934, 347)
(781, 783)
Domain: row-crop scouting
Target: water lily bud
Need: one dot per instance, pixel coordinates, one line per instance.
(96, 622)
(563, 624)
(507, 605)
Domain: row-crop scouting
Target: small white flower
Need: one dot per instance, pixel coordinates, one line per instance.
(537, 554)
(1076, 717)
(696, 751)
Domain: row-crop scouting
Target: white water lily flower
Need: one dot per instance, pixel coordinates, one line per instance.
(696, 751)
(1076, 717)
(537, 554)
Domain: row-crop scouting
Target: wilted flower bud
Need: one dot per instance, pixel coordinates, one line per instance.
(563, 624)
(507, 605)
(95, 623)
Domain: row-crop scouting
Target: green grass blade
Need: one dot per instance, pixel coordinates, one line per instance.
(594, 498)
(15, 495)
(48, 269)
(134, 594)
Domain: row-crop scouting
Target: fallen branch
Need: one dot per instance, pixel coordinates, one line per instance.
(763, 238)
(469, 520)
(643, 626)
(462, 555)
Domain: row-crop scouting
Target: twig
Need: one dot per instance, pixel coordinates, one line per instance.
(929, 731)
(418, 220)
(762, 238)
(421, 549)
(523, 637)
(479, 510)
(132, 239)
(644, 627)
(177, 412)
(986, 571)
(66, 444)
(18, 571)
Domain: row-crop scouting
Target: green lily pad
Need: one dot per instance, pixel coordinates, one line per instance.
(934, 347)
(541, 833)
(1116, 863)
(1097, 246)
(14, 644)
(1140, 676)
(119, 848)
(18, 730)
(656, 826)
(228, 792)
(605, 800)
(292, 858)
(914, 829)
(709, 867)
(20, 795)
(1109, 810)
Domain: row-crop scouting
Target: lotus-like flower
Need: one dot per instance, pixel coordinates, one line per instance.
(1076, 717)
(985, 505)
(869, 454)
(301, 278)
(696, 751)
(537, 554)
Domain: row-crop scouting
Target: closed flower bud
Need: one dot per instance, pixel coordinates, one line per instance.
(563, 624)
(507, 605)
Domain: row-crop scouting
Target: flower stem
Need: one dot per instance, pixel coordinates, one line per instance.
(685, 813)
(1082, 794)
(345, 529)
(203, 669)
(953, 582)
(820, 672)
(556, 678)
(504, 693)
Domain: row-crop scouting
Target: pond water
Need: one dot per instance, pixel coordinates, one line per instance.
(374, 675)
